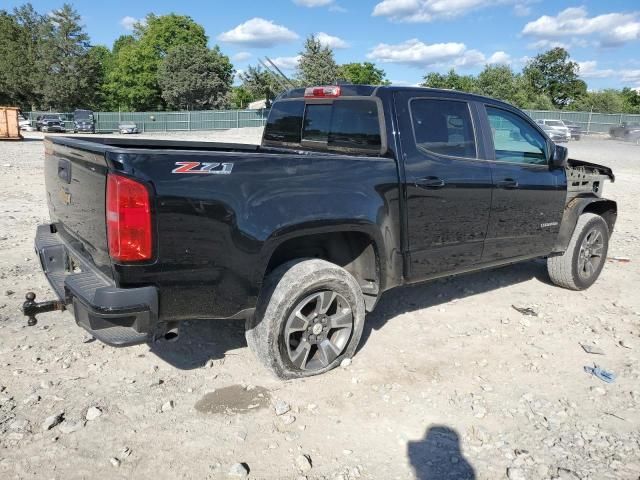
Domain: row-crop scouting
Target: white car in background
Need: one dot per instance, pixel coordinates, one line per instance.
(557, 126)
(25, 123)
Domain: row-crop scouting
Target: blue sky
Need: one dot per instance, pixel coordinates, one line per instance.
(408, 38)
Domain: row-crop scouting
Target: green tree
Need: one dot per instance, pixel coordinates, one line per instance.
(132, 84)
(241, 97)
(22, 67)
(452, 81)
(72, 74)
(260, 83)
(554, 74)
(195, 78)
(604, 101)
(631, 100)
(362, 73)
(317, 65)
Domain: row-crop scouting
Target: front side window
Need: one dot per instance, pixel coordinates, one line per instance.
(443, 127)
(514, 139)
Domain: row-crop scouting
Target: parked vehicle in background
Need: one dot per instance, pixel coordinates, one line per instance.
(25, 123)
(574, 129)
(557, 125)
(554, 134)
(355, 190)
(50, 122)
(626, 131)
(84, 121)
(127, 127)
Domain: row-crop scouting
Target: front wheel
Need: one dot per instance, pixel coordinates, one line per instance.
(580, 265)
(309, 317)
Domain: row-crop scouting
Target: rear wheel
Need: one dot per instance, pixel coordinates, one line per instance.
(580, 265)
(309, 318)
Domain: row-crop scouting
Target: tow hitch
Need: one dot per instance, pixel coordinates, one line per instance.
(31, 308)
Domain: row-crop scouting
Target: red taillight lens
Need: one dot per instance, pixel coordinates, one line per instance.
(322, 92)
(128, 219)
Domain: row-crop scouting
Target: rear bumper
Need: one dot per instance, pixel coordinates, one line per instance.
(115, 316)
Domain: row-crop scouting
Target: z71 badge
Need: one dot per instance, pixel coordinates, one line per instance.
(203, 167)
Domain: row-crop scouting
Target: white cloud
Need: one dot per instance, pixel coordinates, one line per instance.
(313, 3)
(419, 54)
(330, 41)
(499, 58)
(286, 63)
(129, 22)
(258, 32)
(428, 10)
(589, 69)
(241, 56)
(609, 29)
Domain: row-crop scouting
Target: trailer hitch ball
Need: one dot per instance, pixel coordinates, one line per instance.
(31, 308)
(26, 306)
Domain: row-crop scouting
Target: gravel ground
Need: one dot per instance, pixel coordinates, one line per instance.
(450, 380)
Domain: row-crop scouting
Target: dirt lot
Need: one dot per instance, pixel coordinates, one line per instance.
(450, 381)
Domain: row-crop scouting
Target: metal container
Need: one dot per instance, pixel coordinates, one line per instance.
(9, 125)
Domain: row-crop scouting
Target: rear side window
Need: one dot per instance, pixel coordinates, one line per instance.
(443, 126)
(355, 124)
(342, 125)
(285, 122)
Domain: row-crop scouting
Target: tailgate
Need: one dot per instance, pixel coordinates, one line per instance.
(75, 181)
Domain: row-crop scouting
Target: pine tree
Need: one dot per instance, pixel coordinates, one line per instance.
(317, 65)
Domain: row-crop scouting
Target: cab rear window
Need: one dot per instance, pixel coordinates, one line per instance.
(343, 125)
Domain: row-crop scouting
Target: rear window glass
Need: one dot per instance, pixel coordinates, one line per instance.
(317, 120)
(343, 125)
(285, 122)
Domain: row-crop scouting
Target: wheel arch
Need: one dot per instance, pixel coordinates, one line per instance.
(355, 247)
(607, 209)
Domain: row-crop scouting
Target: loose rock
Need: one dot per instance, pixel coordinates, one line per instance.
(93, 413)
(303, 462)
(238, 470)
(52, 421)
(281, 407)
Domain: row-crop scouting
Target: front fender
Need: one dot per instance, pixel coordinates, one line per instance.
(608, 209)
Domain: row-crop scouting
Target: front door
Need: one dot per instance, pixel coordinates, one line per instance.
(528, 196)
(447, 186)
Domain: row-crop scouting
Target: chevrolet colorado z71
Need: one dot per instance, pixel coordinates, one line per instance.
(353, 191)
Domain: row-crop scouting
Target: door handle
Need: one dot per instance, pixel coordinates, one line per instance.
(507, 183)
(430, 182)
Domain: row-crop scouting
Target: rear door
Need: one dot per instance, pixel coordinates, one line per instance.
(447, 185)
(528, 195)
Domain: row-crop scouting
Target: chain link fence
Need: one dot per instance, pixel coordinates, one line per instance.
(591, 122)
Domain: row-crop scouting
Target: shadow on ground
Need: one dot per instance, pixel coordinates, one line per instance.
(408, 299)
(201, 340)
(438, 456)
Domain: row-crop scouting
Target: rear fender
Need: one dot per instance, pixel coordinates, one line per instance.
(608, 209)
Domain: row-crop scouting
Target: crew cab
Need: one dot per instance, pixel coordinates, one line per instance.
(353, 191)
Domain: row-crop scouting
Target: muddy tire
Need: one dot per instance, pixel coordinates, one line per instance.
(309, 317)
(580, 265)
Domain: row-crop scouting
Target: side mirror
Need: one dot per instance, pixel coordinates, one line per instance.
(559, 156)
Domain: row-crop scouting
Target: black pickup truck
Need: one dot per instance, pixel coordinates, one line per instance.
(354, 190)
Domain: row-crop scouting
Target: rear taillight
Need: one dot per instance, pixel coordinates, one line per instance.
(322, 92)
(128, 219)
